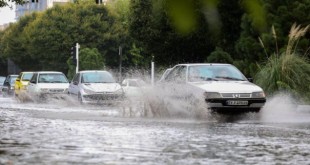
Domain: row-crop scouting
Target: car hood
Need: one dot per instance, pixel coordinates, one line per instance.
(102, 87)
(53, 85)
(24, 83)
(227, 86)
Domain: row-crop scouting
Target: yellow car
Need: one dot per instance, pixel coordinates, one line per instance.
(21, 83)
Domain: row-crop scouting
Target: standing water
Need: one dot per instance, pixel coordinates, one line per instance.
(63, 132)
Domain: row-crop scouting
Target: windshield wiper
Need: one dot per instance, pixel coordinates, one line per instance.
(58, 82)
(210, 79)
(229, 78)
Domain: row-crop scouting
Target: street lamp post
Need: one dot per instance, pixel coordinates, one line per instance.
(120, 50)
(152, 71)
(77, 57)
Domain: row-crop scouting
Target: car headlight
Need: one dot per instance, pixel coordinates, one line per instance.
(258, 94)
(212, 95)
(11, 87)
(88, 91)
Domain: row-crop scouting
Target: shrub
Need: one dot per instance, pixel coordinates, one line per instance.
(288, 70)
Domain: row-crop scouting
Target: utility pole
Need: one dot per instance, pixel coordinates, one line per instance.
(77, 57)
(152, 71)
(120, 50)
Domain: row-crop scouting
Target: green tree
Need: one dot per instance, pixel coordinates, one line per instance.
(154, 31)
(14, 44)
(4, 3)
(45, 39)
(219, 56)
(281, 15)
(287, 70)
(89, 59)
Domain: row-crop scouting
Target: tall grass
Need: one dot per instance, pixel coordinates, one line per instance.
(288, 70)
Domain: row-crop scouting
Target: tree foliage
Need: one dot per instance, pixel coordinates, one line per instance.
(287, 70)
(4, 3)
(89, 59)
(45, 39)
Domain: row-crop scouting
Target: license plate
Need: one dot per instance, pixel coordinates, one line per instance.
(234, 102)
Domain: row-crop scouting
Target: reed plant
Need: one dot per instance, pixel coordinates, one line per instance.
(287, 70)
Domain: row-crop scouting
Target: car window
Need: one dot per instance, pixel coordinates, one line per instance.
(52, 78)
(2, 80)
(12, 80)
(34, 79)
(177, 74)
(27, 76)
(97, 77)
(214, 72)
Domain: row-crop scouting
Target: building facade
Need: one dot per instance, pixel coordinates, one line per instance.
(36, 5)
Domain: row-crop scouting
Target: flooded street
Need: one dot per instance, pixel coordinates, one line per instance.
(66, 133)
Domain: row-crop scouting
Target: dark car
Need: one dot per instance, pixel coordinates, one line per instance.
(8, 85)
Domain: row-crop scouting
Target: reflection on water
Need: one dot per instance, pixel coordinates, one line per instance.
(72, 134)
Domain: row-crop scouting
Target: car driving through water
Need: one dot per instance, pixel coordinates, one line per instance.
(222, 86)
(8, 85)
(46, 84)
(95, 86)
(21, 84)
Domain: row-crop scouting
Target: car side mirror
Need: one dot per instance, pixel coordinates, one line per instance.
(17, 79)
(250, 79)
(75, 82)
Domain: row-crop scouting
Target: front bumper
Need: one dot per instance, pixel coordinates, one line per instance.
(104, 98)
(223, 103)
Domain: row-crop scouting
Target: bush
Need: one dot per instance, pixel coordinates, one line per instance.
(288, 70)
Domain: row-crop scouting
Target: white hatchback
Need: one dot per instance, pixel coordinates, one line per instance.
(95, 86)
(46, 84)
(222, 86)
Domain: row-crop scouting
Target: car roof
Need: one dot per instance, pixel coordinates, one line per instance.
(26, 72)
(13, 75)
(90, 71)
(48, 72)
(193, 64)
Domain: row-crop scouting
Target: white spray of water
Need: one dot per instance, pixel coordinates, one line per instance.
(282, 108)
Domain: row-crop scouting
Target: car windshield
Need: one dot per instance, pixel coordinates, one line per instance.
(52, 78)
(27, 76)
(2, 80)
(13, 80)
(214, 73)
(97, 77)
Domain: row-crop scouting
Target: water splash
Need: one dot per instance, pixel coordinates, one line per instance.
(283, 108)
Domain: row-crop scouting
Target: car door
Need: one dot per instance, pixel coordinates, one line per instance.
(5, 87)
(32, 84)
(74, 85)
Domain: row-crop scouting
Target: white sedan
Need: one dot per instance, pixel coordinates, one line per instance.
(46, 84)
(95, 86)
(222, 86)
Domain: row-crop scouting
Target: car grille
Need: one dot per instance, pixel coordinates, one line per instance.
(236, 95)
(102, 96)
(56, 90)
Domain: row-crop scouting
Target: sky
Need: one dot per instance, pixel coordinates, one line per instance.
(7, 15)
